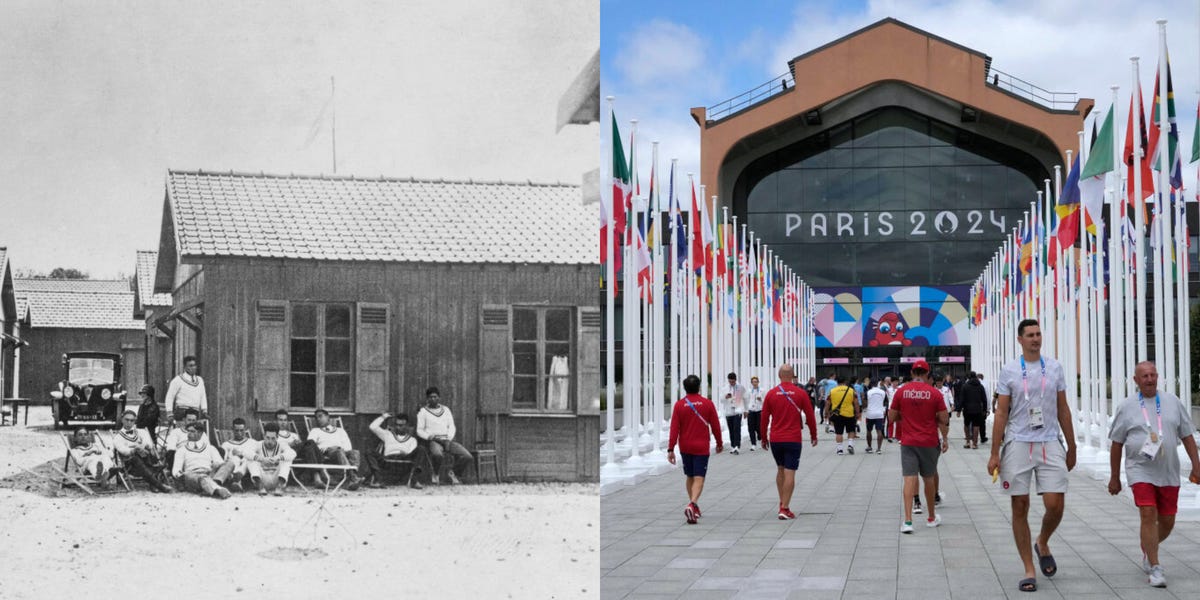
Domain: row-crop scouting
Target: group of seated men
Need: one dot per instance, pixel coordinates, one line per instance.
(198, 467)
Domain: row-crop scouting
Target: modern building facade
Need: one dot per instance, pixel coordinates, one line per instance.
(886, 168)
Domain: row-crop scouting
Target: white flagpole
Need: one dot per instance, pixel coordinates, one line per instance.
(705, 308)
(690, 292)
(610, 383)
(1165, 240)
(1139, 219)
(631, 341)
(673, 261)
(1116, 265)
(658, 361)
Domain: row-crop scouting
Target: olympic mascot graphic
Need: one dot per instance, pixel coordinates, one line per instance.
(889, 330)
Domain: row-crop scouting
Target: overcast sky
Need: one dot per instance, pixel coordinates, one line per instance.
(102, 98)
(660, 59)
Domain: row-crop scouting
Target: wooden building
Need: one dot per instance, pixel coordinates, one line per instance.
(66, 315)
(10, 330)
(160, 364)
(354, 295)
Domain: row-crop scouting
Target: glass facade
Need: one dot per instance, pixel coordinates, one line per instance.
(889, 198)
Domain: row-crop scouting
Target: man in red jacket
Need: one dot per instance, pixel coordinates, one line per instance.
(693, 417)
(786, 410)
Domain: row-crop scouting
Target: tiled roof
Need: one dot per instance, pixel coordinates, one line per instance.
(344, 218)
(147, 261)
(77, 303)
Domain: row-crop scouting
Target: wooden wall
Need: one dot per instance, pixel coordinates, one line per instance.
(435, 321)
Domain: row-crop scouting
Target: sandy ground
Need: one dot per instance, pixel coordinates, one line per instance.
(490, 541)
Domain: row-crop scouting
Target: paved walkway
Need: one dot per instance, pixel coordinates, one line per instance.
(846, 542)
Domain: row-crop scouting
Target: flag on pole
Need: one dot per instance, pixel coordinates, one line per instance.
(1026, 262)
(1172, 145)
(1068, 208)
(1091, 179)
(620, 195)
(677, 219)
(1143, 164)
(703, 235)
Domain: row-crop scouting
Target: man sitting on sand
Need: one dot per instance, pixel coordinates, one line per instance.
(397, 442)
(92, 459)
(238, 453)
(195, 463)
(178, 436)
(271, 462)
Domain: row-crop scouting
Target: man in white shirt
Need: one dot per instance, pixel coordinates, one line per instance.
(286, 432)
(134, 447)
(875, 414)
(754, 404)
(435, 424)
(1031, 416)
(334, 446)
(395, 442)
(239, 451)
(92, 458)
(733, 406)
(199, 466)
(178, 436)
(271, 462)
(187, 391)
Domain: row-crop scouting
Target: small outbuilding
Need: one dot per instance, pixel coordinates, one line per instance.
(354, 295)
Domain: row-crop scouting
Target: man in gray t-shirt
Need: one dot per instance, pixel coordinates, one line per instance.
(1146, 428)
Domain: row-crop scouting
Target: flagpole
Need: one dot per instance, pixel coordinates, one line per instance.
(658, 363)
(631, 346)
(1116, 258)
(610, 380)
(1161, 214)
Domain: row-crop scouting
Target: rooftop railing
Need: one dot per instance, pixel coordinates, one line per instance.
(777, 85)
(1023, 89)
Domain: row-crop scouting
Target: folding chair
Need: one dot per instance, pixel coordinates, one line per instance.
(398, 463)
(127, 477)
(309, 423)
(262, 428)
(485, 445)
(72, 473)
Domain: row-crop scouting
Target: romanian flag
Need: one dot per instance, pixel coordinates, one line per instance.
(1026, 263)
(1067, 209)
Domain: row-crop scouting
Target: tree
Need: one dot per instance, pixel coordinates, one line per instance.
(61, 273)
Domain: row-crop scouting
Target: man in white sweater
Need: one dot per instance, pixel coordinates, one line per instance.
(395, 442)
(187, 391)
(435, 424)
(239, 451)
(92, 458)
(334, 445)
(135, 449)
(271, 462)
(178, 435)
(195, 464)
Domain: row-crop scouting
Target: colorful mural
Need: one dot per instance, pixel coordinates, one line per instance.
(850, 317)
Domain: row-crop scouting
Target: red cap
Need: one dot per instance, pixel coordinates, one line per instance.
(921, 365)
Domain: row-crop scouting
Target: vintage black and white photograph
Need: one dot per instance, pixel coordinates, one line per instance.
(299, 299)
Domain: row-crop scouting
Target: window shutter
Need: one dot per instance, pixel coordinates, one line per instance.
(271, 355)
(588, 361)
(371, 358)
(495, 360)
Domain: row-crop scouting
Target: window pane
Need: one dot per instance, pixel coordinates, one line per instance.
(337, 356)
(558, 324)
(525, 392)
(525, 358)
(524, 324)
(304, 390)
(304, 320)
(304, 355)
(337, 391)
(558, 357)
(337, 320)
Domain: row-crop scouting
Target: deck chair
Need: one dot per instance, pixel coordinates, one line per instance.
(262, 428)
(309, 424)
(397, 463)
(128, 478)
(485, 452)
(309, 421)
(72, 473)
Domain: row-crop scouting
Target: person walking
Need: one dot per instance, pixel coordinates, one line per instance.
(1031, 418)
(754, 404)
(1148, 436)
(786, 410)
(692, 420)
(733, 406)
(921, 412)
(875, 413)
(842, 409)
(974, 405)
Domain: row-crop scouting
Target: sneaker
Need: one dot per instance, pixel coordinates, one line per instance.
(890, 440)
(689, 513)
(696, 507)
(917, 508)
(934, 522)
(1145, 564)
(785, 514)
(734, 451)
(868, 449)
(436, 480)
(454, 479)
(851, 449)
(1157, 579)
(235, 486)
(752, 447)
(906, 527)
(937, 499)
(416, 485)
(223, 493)
(262, 491)
(279, 491)
(840, 452)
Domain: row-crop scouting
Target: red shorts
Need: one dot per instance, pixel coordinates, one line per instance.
(1165, 498)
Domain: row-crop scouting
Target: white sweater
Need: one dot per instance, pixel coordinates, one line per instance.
(187, 394)
(326, 439)
(127, 442)
(199, 459)
(392, 444)
(436, 422)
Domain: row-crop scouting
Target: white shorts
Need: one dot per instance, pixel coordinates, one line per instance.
(1019, 461)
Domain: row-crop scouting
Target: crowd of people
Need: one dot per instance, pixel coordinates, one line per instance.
(1032, 442)
(171, 451)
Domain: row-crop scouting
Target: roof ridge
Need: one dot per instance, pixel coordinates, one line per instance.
(323, 176)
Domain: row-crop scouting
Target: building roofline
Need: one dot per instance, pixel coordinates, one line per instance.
(887, 21)
(323, 176)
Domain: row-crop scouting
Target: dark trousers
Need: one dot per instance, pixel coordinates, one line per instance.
(372, 465)
(752, 423)
(144, 467)
(735, 430)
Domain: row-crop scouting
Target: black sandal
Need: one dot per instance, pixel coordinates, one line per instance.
(1049, 567)
(1028, 585)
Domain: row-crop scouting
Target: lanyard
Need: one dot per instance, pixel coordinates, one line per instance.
(1157, 409)
(789, 398)
(1025, 379)
(693, 407)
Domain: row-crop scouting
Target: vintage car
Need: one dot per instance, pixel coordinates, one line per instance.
(91, 390)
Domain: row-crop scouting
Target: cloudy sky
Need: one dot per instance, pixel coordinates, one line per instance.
(102, 98)
(660, 59)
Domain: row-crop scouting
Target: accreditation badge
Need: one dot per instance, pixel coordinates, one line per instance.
(1036, 420)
